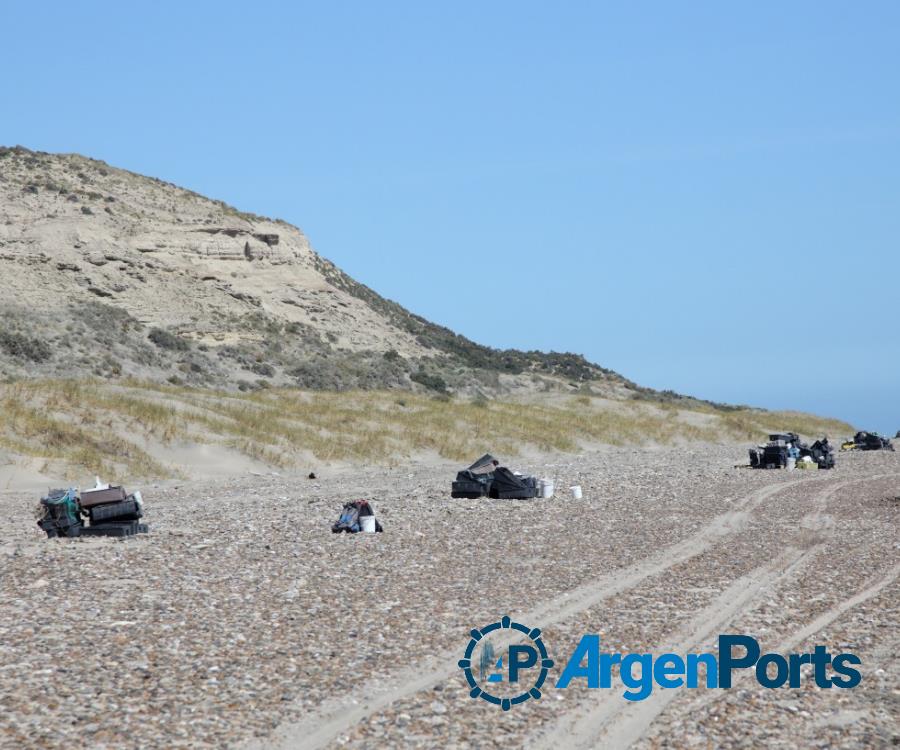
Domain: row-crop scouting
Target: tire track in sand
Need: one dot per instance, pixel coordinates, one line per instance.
(340, 715)
(615, 722)
(632, 729)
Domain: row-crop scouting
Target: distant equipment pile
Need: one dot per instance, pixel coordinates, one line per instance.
(868, 441)
(786, 450)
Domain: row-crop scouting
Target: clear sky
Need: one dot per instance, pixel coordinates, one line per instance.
(704, 196)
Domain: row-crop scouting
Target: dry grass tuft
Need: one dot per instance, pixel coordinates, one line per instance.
(92, 424)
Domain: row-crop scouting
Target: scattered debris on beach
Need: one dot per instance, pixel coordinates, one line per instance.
(109, 509)
(785, 450)
(486, 478)
(868, 441)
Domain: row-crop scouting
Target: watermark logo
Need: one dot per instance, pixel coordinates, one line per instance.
(503, 673)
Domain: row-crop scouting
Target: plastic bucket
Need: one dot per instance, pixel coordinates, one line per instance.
(547, 488)
(791, 463)
(576, 492)
(367, 524)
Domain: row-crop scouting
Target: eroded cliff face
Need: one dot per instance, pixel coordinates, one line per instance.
(106, 272)
(75, 229)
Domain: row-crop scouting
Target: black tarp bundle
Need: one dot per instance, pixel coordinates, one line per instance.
(476, 480)
(486, 478)
(508, 486)
(484, 465)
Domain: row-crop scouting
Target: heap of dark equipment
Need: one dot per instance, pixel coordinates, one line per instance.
(103, 511)
(784, 445)
(868, 441)
(486, 478)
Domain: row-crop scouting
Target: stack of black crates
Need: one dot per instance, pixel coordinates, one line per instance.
(112, 512)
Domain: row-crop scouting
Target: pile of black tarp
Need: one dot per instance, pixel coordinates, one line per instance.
(872, 441)
(821, 452)
(486, 478)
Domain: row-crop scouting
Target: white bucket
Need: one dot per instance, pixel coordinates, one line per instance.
(791, 463)
(367, 524)
(547, 488)
(576, 492)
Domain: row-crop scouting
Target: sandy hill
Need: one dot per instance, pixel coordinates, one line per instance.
(148, 331)
(110, 273)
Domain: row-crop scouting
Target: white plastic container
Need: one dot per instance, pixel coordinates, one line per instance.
(547, 488)
(791, 463)
(576, 492)
(367, 524)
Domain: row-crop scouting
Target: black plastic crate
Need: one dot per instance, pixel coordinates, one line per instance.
(468, 488)
(120, 512)
(60, 528)
(524, 494)
(115, 529)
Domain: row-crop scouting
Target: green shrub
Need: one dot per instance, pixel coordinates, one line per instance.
(432, 382)
(18, 345)
(263, 368)
(165, 340)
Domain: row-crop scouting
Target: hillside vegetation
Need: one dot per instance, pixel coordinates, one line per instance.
(146, 330)
(85, 427)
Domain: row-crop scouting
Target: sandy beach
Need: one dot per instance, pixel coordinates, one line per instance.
(242, 621)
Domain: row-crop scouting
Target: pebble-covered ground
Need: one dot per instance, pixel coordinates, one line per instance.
(242, 621)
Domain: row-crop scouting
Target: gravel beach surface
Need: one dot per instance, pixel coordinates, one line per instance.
(242, 621)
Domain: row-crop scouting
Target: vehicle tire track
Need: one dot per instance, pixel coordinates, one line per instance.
(614, 722)
(340, 715)
(629, 734)
(828, 617)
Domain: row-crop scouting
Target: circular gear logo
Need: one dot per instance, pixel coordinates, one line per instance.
(503, 673)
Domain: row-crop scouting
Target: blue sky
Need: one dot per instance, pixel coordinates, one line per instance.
(703, 196)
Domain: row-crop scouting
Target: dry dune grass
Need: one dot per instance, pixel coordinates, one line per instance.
(49, 421)
(95, 425)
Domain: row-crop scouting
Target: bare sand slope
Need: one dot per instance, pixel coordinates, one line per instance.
(242, 621)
